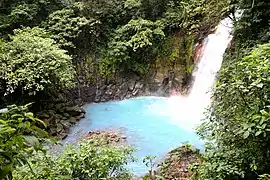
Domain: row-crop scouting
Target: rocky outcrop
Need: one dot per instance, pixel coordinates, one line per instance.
(60, 118)
(177, 163)
(123, 88)
(111, 138)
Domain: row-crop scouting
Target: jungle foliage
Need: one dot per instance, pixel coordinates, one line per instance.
(32, 62)
(118, 35)
(20, 137)
(238, 125)
(44, 41)
(24, 156)
(93, 159)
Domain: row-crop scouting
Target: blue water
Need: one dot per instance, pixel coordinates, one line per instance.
(158, 125)
(146, 121)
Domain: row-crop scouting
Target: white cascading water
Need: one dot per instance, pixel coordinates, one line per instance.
(188, 111)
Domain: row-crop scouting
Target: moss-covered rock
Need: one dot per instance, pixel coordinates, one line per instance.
(177, 163)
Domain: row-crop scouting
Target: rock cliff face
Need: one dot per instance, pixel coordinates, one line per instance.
(124, 87)
(60, 117)
(170, 72)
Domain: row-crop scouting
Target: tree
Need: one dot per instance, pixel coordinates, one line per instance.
(131, 48)
(253, 26)
(31, 62)
(153, 9)
(70, 29)
(22, 13)
(193, 16)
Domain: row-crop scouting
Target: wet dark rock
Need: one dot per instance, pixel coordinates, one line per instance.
(66, 115)
(60, 107)
(102, 88)
(43, 115)
(58, 117)
(138, 85)
(135, 92)
(131, 85)
(109, 92)
(80, 117)
(59, 128)
(61, 118)
(97, 99)
(75, 110)
(51, 112)
(72, 120)
(53, 131)
(66, 124)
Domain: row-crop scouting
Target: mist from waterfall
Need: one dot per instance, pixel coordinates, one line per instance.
(186, 111)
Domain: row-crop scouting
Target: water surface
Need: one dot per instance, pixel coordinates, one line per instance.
(146, 121)
(157, 125)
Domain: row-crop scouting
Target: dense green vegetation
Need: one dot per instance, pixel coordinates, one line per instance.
(20, 136)
(22, 155)
(48, 46)
(92, 160)
(31, 62)
(116, 35)
(238, 125)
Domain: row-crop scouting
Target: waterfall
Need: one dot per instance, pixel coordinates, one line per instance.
(157, 125)
(188, 111)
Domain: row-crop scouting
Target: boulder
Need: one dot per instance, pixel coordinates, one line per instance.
(74, 111)
(53, 131)
(51, 112)
(79, 117)
(66, 124)
(43, 115)
(59, 128)
(97, 99)
(109, 92)
(61, 136)
(60, 107)
(58, 117)
(131, 84)
(111, 137)
(135, 92)
(72, 120)
(66, 115)
(138, 85)
(3, 110)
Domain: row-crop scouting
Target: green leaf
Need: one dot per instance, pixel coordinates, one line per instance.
(246, 134)
(31, 140)
(258, 133)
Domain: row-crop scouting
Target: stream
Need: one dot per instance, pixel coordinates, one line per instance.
(157, 125)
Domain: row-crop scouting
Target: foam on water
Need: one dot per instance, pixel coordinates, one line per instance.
(156, 125)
